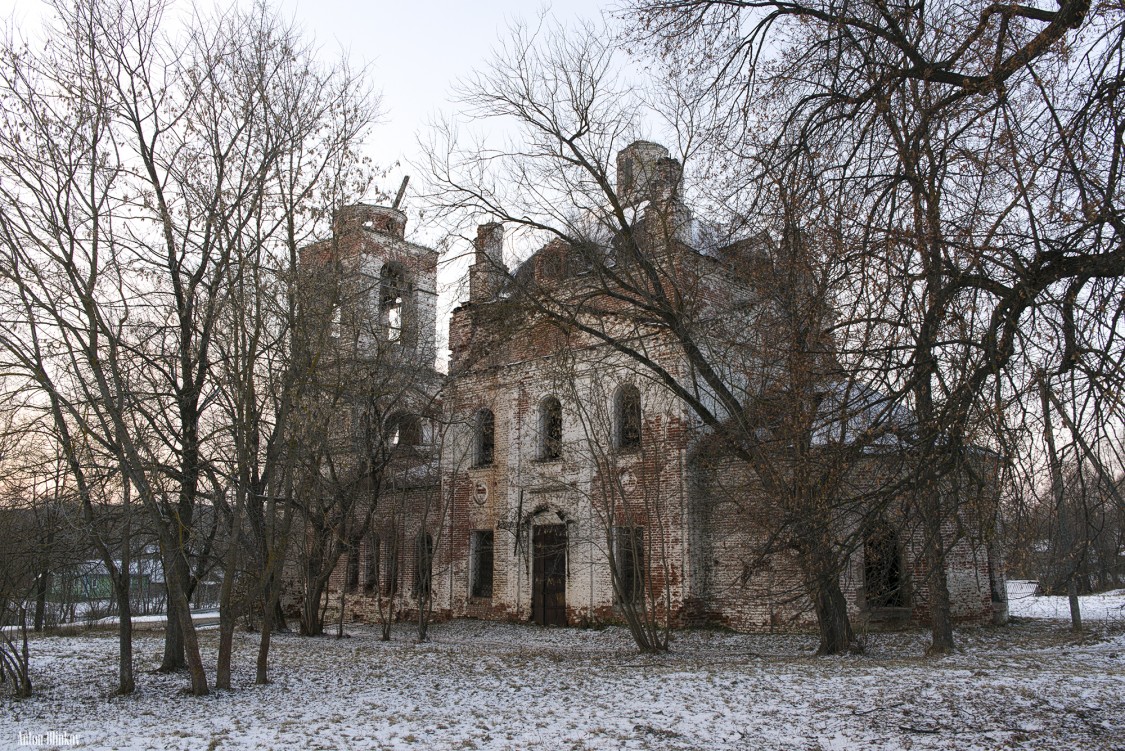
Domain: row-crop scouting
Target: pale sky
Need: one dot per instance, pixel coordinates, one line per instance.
(415, 53)
(415, 50)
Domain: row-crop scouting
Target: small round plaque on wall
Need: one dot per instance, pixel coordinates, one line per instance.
(480, 493)
(628, 481)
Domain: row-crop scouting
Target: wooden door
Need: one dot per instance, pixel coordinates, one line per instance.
(548, 577)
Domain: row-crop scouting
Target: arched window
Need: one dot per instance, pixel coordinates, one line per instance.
(393, 298)
(883, 575)
(404, 430)
(627, 417)
(550, 428)
(484, 438)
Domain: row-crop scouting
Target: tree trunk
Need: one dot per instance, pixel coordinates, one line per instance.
(829, 604)
(174, 660)
(312, 621)
(386, 616)
(836, 635)
(423, 618)
(1065, 544)
(42, 584)
(1075, 608)
(226, 623)
(125, 682)
(261, 677)
(280, 624)
(340, 619)
(177, 602)
(941, 616)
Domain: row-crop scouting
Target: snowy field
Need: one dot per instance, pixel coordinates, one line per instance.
(477, 685)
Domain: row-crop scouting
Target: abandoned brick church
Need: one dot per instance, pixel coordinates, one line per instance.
(553, 476)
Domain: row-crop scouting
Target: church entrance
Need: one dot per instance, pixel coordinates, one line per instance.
(883, 574)
(548, 575)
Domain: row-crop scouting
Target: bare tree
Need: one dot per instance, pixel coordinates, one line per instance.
(368, 407)
(934, 119)
(140, 171)
(633, 509)
(645, 287)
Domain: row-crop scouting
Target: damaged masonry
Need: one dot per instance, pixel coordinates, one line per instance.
(556, 480)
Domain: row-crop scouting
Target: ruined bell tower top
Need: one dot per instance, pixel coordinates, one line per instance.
(646, 172)
(382, 219)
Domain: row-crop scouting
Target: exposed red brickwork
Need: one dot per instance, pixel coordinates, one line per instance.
(703, 523)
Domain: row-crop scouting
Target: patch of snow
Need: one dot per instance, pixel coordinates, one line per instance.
(480, 685)
(1024, 603)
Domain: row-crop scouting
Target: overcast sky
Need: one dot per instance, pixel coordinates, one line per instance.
(415, 52)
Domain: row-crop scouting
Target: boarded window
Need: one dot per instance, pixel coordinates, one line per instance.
(371, 567)
(423, 565)
(627, 417)
(485, 438)
(628, 557)
(550, 428)
(480, 549)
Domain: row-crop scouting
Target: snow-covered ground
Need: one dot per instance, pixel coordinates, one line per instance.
(481, 685)
(1104, 607)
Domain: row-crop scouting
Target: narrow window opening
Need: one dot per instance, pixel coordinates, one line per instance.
(392, 302)
(423, 565)
(627, 417)
(371, 570)
(351, 574)
(404, 430)
(481, 547)
(628, 554)
(485, 438)
(390, 581)
(550, 429)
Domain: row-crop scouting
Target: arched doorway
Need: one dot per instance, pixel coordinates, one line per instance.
(884, 581)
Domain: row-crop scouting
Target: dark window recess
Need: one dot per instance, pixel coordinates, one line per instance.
(351, 577)
(629, 557)
(404, 430)
(627, 414)
(423, 565)
(485, 438)
(390, 572)
(481, 550)
(550, 429)
(883, 579)
(393, 294)
(625, 176)
(360, 422)
(371, 572)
